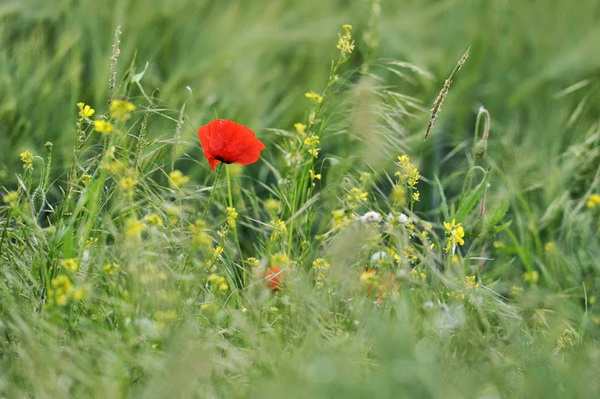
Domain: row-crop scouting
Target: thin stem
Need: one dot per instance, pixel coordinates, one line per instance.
(212, 192)
(234, 227)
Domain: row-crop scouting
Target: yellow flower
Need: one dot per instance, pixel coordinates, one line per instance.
(472, 281)
(231, 216)
(121, 109)
(408, 174)
(593, 201)
(85, 179)
(127, 183)
(27, 159)
(531, 277)
(111, 268)
(61, 289)
(215, 279)
(313, 175)
(85, 111)
(279, 229)
(133, 227)
(252, 262)
(314, 152)
(300, 128)
(455, 234)
(357, 195)
(11, 198)
(365, 177)
(177, 179)
(314, 96)
(103, 126)
(218, 250)
(345, 42)
(272, 205)
(154, 219)
(78, 294)
(69, 264)
(320, 263)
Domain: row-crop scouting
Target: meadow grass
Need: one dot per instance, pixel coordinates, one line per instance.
(356, 258)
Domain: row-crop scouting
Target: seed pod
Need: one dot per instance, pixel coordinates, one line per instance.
(38, 199)
(480, 148)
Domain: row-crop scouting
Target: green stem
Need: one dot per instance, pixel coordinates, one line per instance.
(212, 192)
(235, 232)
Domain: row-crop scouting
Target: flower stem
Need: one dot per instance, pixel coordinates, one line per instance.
(212, 192)
(234, 227)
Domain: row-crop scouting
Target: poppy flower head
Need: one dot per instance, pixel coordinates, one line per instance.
(274, 278)
(229, 142)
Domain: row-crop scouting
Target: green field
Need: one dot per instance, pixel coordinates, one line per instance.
(356, 258)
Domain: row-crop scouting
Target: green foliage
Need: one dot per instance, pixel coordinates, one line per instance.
(354, 259)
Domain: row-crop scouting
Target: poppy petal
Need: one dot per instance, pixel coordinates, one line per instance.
(226, 141)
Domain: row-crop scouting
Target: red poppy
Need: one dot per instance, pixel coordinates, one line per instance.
(229, 142)
(274, 278)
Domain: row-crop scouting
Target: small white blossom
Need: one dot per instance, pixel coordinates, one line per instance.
(377, 256)
(402, 218)
(371, 217)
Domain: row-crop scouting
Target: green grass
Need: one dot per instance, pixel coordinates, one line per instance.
(117, 280)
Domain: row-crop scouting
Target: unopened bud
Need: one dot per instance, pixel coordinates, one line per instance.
(38, 199)
(480, 148)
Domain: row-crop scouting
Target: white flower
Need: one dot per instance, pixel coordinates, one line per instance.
(401, 218)
(377, 256)
(371, 217)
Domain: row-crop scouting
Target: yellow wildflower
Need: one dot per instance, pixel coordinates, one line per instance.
(85, 111)
(408, 174)
(314, 96)
(218, 250)
(177, 179)
(252, 262)
(102, 126)
(231, 216)
(345, 42)
(593, 201)
(85, 179)
(455, 234)
(154, 219)
(61, 289)
(27, 159)
(111, 268)
(78, 294)
(133, 227)
(313, 175)
(314, 152)
(365, 177)
(300, 128)
(127, 183)
(357, 195)
(11, 198)
(531, 277)
(121, 109)
(69, 264)
(272, 205)
(472, 281)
